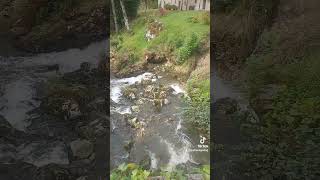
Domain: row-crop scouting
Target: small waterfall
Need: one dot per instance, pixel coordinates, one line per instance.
(179, 125)
(154, 161)
(179, 155)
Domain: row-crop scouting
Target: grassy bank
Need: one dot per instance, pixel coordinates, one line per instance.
(181, 37)
(279, 60)
(182, 42)
(198, 87)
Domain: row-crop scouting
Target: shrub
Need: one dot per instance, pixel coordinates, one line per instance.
(170, 7)
(198, 111)
(203, 18)
(129, 171)
(191, 44)
(136, 172)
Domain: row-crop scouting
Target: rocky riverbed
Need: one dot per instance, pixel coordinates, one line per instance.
(53, 120)
(148, 126)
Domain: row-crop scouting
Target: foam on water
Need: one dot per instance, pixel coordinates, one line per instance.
(122, 110)
(177, 156)
(118, 84)
(177, 89)
(154, 161)
(179, 125)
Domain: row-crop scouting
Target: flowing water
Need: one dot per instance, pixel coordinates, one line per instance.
(165, 142)
(19, 79)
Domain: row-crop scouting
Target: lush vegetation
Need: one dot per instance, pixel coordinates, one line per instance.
(289, 133)
(179, 39)
(282, 77)
(198, 111)
(133, 171)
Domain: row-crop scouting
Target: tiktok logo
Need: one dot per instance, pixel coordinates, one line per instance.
(202, 139)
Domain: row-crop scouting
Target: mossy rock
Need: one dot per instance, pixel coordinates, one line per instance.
(58, 93)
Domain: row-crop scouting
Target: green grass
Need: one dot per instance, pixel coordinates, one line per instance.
(135, 172)
(177, 27)
(289, 130)
(198, 111)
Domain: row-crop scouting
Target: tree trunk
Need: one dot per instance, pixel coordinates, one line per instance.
(187, 8)
(126, 22)
(146, 4)
(114, 16)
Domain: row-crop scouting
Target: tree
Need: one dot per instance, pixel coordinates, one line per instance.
(123, 11)
(114, 16)
(126, 21)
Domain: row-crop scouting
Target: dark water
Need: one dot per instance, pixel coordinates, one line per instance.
(19, 78)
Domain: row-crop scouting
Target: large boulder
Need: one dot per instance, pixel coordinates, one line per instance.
(81, 148)
(53, 172)
(5, 127)
(18, 171)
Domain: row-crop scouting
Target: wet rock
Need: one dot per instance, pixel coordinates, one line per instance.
(81, 148)
(148, 91)
(65, 100)
(41, 152)
(71, 109)
(94, 129)
(53, 172)
(128, 145)
(157, 104)
(8, 153)
(5, 127)
(146, 81)
(140, 102)
(135, 108)
(132, 96)
(85, 67)
(130, 92)
(133, 122)
(18, 171)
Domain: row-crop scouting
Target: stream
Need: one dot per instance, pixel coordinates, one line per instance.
(20, 79)
(157, 137)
